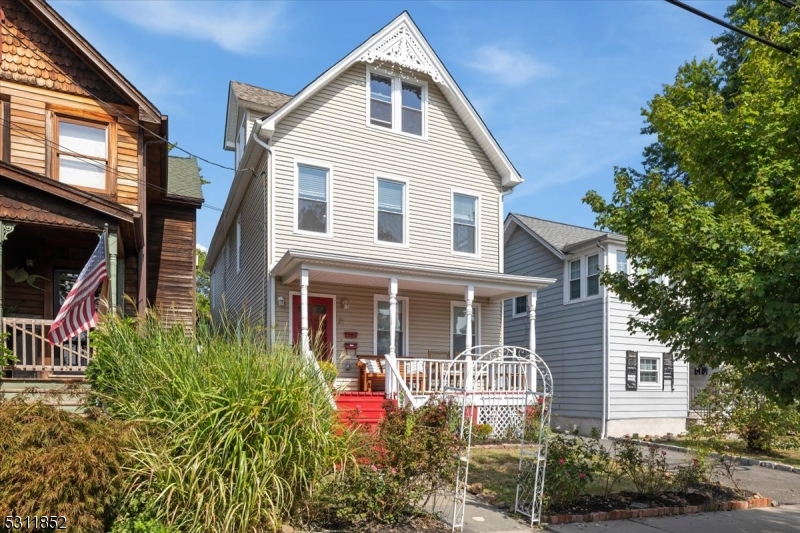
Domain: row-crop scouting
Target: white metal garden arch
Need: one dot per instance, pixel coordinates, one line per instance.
(511, 389)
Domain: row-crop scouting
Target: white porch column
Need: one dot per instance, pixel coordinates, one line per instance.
(304, 343)
(113, 272)
(391, 356)
(532, 377)
(469, 296)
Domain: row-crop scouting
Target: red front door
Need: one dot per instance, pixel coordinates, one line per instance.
(320, 329)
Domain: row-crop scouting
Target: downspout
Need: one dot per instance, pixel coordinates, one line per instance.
(142, 255)
(268, 231)
(606, 348)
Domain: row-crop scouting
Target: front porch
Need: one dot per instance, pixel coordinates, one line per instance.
(395, 327)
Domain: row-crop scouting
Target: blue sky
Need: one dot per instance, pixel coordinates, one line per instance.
(559, 83)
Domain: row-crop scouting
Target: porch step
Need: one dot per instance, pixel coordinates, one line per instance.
(47, 390)
(364, 408)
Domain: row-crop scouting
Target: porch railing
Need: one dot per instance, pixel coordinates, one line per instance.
(27, 339)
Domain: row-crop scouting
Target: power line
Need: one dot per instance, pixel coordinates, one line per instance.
(114, 110)
(786, 3)
(731, 27)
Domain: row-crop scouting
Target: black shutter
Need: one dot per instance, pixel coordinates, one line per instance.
(631, 370)
(669, 371)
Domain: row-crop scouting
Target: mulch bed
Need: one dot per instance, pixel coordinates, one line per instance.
(425, 523)
(701, 495)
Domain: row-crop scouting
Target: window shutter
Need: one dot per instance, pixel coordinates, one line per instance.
(631, 370)
(668, 365)
(313, 183)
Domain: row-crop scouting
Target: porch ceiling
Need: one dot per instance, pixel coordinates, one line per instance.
(345, 270)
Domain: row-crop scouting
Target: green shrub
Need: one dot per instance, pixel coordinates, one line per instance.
(481, 433)
(56, 462)
(730, 406)
(411, 455)
(234, 436)
(569, 469)
(646, 467)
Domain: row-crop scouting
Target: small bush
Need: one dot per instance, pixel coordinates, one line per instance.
(54, 461)
(235, 435)
(412, 454)
(569, 469)
(481, 433)
(647, 469)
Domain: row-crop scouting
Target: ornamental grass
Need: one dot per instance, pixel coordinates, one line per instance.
(231, 435)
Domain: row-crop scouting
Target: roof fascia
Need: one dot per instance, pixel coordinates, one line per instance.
(105, 68)
(603, 239)
(511, 221)
(508, 174)
(228, 139)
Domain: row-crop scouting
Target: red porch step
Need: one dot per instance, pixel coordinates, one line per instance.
(363, 408)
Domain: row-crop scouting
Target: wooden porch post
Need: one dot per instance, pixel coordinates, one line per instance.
(304, 344)
(469, 296)
(113, 272)
(532, 378)
(392, 333)
(5, 229)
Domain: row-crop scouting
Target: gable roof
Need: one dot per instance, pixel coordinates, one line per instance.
(183, 178)
(248, 96)
(561, 238)
(82, 47)
(402, 43)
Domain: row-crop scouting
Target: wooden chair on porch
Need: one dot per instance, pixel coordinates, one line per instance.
(370, 372)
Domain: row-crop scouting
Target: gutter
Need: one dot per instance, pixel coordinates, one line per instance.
(501, 260)
(606, 348)
(269, 318)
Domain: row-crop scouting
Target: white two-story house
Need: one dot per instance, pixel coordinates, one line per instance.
(367, 211)
(605, 376)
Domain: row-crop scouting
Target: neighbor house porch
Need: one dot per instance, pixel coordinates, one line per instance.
(383, 323)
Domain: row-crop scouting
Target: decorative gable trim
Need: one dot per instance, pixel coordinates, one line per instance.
(401, 48)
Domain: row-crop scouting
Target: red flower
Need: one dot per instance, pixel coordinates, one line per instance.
(561, 461)
(581, 475)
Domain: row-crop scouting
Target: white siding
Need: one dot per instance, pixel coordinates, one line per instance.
(331, 127)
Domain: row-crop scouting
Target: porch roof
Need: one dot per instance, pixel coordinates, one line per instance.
(348, 270)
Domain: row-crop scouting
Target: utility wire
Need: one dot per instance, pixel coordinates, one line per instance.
(786, 3)
(731, 27)
(113, 110)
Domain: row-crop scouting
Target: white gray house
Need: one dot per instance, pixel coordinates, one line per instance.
(604, 376)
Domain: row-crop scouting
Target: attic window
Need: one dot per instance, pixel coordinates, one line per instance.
(397, 105)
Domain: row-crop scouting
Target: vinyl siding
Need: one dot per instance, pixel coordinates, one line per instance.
(640, 403)
(428, 320)
(569, 338)
(331, 127)
(244, 292)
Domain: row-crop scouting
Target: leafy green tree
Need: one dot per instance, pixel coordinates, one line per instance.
(203, 293)
(716, 208)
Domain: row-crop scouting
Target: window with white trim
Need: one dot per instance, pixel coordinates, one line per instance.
(391, 211)
(649, 371)
(459, 327)
(575, 279)
(397, 105)
(81, 151)
(465, 223)
(622, 261)
(520, 306)
(239, 242)
(313, 193)
(593, 275)
(382, 327)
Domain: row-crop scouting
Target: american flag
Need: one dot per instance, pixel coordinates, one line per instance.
(78, 312)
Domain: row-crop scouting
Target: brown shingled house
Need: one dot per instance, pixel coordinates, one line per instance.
(81, 149)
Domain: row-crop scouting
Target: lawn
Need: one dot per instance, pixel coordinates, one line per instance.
(496, 469)
(737, 447)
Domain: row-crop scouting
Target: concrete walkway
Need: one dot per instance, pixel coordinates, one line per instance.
(785, 519)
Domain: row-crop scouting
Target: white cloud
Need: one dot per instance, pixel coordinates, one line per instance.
(240, 27)
(507, 66)
(202, 248)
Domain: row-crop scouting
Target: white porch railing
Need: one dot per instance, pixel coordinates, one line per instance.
(27, 339)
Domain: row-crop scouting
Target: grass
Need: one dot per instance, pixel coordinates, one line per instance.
(234, 435)
(737, 447)
(496, 470)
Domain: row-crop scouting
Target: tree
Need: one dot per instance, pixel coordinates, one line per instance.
(203, 293)
(716, 208)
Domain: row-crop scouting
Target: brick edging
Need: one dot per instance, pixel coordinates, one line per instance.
(653, 512)
(744, 461)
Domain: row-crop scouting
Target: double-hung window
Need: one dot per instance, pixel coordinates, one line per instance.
(649, 371)
(520, 306)
(465, 224)
(397, 105)
(575, 279)
(622, 261)
(391, 211)
(313, 199)
(81, 152)
(383, 328)
(593, 275)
